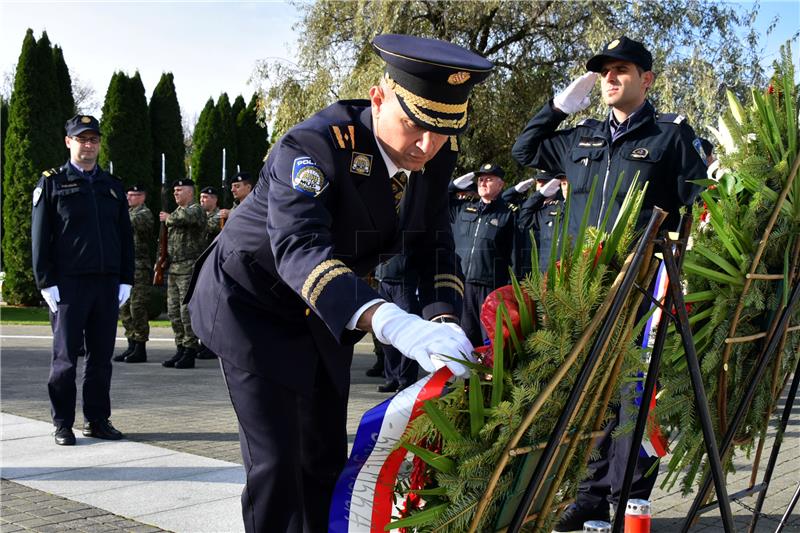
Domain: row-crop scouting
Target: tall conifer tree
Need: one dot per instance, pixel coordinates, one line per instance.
(167, 131)
(126, 139)
(63, 86)
(251, 138)
(34, 143)
(207, 147)
(227, 132)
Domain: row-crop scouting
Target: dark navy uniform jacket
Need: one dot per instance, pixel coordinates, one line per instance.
(484, 237)
(281, 282)
(661, 148)
(398, 269)
(80, 226)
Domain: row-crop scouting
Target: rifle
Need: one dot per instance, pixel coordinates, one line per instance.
(163, 261)
(224, 189)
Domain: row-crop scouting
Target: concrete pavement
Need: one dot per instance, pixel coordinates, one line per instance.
(179, 468)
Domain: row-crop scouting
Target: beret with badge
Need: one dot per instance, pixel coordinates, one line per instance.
(623, 49)
(183, 183)
(209, 190)
(242, 176)
(432, 79)
(136, 187)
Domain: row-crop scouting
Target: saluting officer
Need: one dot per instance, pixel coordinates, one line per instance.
(133, 313)
(280, 296)
(209, 201)
(483, 229)
(186, 239)
(83, 265)
(633, 138)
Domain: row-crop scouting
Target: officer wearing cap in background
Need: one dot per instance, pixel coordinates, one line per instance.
(483, 229)
(83, 265)
(186, 240)
(133, 313)
(633, 138)
(280, 294)
(209, 200)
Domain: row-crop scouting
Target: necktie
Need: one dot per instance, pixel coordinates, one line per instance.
(399, 182)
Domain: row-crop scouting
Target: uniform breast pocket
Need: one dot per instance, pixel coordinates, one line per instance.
(639, 161)
(108, 204)
(72, 203)
(586, 164)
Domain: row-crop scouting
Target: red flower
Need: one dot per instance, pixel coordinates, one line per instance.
(770, 89)
(509, 299)
(419, 479)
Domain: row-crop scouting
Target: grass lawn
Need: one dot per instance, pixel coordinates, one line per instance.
(37, 316)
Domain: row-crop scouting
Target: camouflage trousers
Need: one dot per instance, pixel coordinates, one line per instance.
(134, 313)
(178, 312)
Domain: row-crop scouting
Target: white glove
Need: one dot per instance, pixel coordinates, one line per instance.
(124, 293)
(523, 186)
(51, 297)
(430, 344)
(550, 188)
(462, 182)
(576, 96)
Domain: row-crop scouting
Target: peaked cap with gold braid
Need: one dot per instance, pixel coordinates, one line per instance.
(432, 79)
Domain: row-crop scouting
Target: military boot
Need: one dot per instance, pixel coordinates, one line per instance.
(126, 353)
(139, 354)
(169, 363)
(187, 361)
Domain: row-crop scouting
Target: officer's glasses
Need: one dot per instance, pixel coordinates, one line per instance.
(87, 140)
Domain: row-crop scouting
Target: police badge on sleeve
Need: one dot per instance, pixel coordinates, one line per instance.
(307, 177)
(37, 195)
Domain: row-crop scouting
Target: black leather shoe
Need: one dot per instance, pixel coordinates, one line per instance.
(376, 371)
(138, 355)
(101, 429)
(575, 515)
(126, 353)
(389, 387)
(205, 353)
(187, 361)
(169, 363)
(64, 436)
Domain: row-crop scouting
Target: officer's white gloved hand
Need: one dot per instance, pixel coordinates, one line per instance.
(124, 293)
(523, 186)
(51, 297)
(425, 342)
(550, 188)
(576, 96)
(462, 182)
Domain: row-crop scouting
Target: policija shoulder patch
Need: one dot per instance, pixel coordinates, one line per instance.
(307, 177)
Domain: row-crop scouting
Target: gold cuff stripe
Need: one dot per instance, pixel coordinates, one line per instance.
(327, 278)
(449, 277)
(448, 285)
(315, 274)
(412, 99)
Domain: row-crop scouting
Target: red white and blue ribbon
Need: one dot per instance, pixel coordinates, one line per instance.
(363, 498)
(654, 444)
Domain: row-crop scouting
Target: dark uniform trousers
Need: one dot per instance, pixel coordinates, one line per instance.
(474, 296)
(396, 367)
(88, 309)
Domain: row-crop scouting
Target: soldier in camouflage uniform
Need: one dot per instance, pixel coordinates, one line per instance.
(186, 227)
(133, 313)
(209, 201)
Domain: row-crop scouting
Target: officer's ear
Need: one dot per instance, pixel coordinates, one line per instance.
(648, 78)
(66, 141)
(376, 98)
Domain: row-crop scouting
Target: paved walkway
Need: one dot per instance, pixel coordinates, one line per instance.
(179, 468)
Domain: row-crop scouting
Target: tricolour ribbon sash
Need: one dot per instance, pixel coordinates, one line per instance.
(363, 496)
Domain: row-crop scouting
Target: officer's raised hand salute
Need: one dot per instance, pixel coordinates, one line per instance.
(280, 296)
(83, 264)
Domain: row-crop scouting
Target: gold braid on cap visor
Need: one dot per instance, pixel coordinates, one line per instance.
(414, 102)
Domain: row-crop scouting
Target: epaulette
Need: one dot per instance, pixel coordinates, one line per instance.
(453, 143)
(590, 122)
(673, 118)
(49, 172)
(344, 137)
(513, 207)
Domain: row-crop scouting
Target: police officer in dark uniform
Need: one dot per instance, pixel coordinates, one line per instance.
(483, 229)
(397, 283)
(83, 264)
(633, 139)
(280, 296)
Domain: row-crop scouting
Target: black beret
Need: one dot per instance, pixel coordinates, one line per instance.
(80, 123)
(432, 79)
(243, 176)
(547, 175)
(184, 181)
(624, 49)
(136, 187)
(491, 168)
(209, 190)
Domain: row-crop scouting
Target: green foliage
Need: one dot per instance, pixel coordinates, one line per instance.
(126, 141)
(251, 138)
(208, 142)
(538, 47)
(167, 132)
(227, 131)
(34, 142)
(64, 86)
